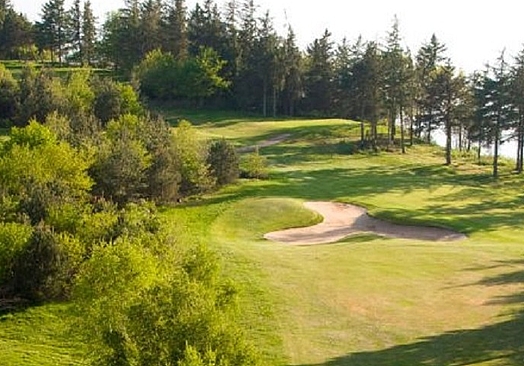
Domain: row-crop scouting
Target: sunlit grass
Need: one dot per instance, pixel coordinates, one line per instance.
(368, 300)
(365, 300)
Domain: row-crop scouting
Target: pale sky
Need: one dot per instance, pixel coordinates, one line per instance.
(475, 32)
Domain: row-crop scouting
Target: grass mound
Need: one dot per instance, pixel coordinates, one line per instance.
(253, 217)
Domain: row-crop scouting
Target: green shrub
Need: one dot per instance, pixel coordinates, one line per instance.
(223, 162)
(13, 240)
(46, 266)
(155, 308)
(191, 155)
(255, 166)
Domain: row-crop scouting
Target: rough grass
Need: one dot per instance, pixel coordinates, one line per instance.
(39, 336)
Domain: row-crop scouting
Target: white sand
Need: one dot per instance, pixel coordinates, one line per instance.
(342, 220)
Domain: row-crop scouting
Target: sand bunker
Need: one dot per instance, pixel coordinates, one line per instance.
(342, 220)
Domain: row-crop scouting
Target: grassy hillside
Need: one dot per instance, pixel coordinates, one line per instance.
(365, 300)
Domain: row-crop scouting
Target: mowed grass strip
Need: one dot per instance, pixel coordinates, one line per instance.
(377, 301)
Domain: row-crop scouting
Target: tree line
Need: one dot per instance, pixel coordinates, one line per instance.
(232, 57)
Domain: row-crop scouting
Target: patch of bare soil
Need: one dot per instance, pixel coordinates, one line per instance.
(269, 142)
(342, 220)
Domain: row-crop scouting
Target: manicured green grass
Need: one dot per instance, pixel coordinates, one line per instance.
(368, 300)
(365, 300)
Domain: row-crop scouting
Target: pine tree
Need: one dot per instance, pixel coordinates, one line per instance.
(52, 29)
(499, 103)
(293, 87)
(393, 79)
(429, 57)
(88, 34)
(319, 85)
(15, 31)
(517, 98)
(265, 60)
(150, 27)
(175, 30)
(368, 83)
(74, 30)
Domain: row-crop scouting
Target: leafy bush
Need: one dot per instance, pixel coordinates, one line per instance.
(13, 240)
(45, 268)
(223, 162)
(9, 97)
(152, 309)
(192, 156)
(37, 172)
(255, 166)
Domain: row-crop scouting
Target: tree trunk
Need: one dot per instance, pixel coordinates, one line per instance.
(429, 128)
(411, 125)
(274, 102)
(362, 134)
(448, 140)
(264, 99)
(460, 137)
(401, 110)
(520, 144)
(374, 135)
(479, 151)
(496, 150)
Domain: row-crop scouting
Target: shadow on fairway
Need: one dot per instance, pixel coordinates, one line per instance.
(501, 343)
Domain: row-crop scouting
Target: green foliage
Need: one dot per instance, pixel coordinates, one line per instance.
(40, 94)
(45, 268)
(255, 166)
(9, 97)
(13, 239)
(162, 76)
(120, 165)
(114, 99)
(78, 93)
(38, 173)
(191, 153)
(177, 301)
(223, 161)
(163, 176)
(137, 158)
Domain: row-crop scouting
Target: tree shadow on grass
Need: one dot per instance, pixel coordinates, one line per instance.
(501, 343)
(354, 184)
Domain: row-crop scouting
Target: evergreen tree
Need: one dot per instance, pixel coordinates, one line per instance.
(319, 86)
(517, 97)
(500, 111)
(265, 59)
(15, 31)
(450, 92)
(150, 32)
(74, 30)
(293, 83)
(393, 65)
(175, 30)
(88, 34)
(367, 81)
(52, 30)
(428, 58)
